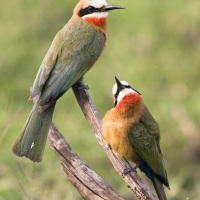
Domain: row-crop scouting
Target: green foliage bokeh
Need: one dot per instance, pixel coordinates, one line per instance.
(154, 45)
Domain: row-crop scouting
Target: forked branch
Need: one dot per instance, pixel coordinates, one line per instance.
(87, 182)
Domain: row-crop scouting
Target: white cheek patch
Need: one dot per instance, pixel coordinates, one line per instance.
(114, 90)
(96, 15)
(124, 92)
(97, 3)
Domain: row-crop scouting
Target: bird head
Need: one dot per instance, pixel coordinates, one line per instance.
(122, 89)
(94, 11)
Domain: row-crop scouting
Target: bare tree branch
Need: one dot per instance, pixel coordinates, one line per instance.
(86, 181)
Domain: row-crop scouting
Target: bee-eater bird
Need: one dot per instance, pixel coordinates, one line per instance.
(72, 53)
(131, 131)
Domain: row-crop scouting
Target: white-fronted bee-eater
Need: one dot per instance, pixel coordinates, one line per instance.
(131, 131)
(72, 53)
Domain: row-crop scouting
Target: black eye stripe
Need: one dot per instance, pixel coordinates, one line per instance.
(128, 86)
(136, 91)
(119, 90)
(117, 93)
(115, 103)
(88, 10)
(115, 96)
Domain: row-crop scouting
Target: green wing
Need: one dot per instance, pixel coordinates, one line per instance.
(150, 124)
(144, 136)
(72, 53)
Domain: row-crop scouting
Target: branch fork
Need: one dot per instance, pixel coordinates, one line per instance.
(87, 182)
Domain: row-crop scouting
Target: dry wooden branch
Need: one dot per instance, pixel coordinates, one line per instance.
(84, 179)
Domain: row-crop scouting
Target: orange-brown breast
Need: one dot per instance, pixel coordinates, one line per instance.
(117, 124)
(115, 131)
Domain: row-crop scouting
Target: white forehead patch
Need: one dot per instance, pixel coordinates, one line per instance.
(114, 90)
(96, 15)
(96, 3)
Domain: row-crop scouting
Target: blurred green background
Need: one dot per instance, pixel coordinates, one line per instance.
(154, 45)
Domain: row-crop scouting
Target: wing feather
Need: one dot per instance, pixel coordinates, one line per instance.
(146, 145)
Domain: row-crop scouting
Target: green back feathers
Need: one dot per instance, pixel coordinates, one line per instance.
(72, 53)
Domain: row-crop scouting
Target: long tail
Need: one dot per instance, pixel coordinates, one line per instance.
(156, 182)
(159, 189)
(32, 140)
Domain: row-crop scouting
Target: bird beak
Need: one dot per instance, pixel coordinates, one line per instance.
(120, 86)
(110, 7)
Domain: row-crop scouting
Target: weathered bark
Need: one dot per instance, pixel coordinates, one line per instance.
(89, 184)
(86, 181)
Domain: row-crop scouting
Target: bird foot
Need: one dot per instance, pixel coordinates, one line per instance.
(109, 147)
(81, 85)
(85, 87)
(128, 170)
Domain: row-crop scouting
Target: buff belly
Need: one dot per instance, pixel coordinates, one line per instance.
(116, 136)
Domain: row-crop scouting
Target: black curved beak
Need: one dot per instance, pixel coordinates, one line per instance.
(110, 7)
(120, 86)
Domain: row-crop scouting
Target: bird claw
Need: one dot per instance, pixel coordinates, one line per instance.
(81, 85)
(86, 87)
(128, 170)
(109, 147)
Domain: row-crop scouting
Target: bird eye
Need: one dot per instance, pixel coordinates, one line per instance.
(90, 9)
(87, 10)
(115, 95)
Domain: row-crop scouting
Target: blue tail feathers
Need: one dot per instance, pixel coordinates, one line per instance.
(145, 169)
(156, 182)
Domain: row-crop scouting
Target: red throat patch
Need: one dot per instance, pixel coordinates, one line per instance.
(97, 21)
(132, 100)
